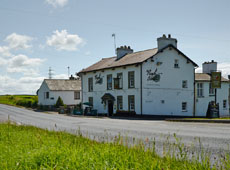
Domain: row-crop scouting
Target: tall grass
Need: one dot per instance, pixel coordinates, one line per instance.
(27, 147)
(20, 100)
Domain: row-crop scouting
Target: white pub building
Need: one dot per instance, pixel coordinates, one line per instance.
(158, 81)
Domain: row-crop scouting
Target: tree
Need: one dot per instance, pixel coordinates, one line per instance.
(59, 102)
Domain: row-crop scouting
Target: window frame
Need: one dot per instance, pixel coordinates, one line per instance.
(131, 102)
(131, 79)
(77, 95)
(184, 84)
(184, 107)
(176, 63)
(109, 84)
(90, 100)
(90, 84)
(224, 104)
(200, 90)
(119, 102)
(47, 95)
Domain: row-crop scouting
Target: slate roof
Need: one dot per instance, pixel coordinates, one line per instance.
(63, 85)
(129, 59)
(206, 77)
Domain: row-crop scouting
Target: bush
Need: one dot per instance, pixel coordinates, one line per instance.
(59, 102)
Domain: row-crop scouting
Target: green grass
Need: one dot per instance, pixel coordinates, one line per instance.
(19, 100)
(26, 147)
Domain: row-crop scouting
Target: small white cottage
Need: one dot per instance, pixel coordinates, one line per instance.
(158, 81)
(51, 89)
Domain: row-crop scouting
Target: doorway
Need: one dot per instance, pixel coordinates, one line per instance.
(110, 107)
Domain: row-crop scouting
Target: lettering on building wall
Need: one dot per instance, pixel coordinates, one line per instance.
(98, 79)
(153, 76)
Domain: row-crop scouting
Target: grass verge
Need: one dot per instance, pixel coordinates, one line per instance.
(20, 100)
(27, 147)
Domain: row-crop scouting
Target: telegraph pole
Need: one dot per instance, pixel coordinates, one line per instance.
(114, 36)
(50, 73)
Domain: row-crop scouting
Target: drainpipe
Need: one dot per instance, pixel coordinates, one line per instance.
(194, 94)
(82, 93)
(141, 90)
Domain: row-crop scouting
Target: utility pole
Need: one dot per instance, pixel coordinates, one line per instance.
(68, 71)
(114, 36)
(50, 73)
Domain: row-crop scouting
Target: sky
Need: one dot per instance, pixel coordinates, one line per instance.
(57, 34)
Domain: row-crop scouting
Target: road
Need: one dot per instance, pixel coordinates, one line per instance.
(215, 138)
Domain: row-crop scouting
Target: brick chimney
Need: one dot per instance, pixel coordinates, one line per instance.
(164, 41)
(122, 51)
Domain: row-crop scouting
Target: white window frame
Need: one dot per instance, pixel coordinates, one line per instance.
(200, 90)
(131, 102)
(131, 79)
(90, 84)
(109, 82)
(119, 102)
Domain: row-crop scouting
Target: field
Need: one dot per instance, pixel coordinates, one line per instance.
(20, 100)
(27, 147)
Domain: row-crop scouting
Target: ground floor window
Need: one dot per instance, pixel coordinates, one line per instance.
(47, 95)
(224, 104)
(184, 106)
(77, 95)
(131, 101)
(119, 103)
(91, 101)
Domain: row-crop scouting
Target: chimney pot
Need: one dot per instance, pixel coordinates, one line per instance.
(164, 36)
(169, 35)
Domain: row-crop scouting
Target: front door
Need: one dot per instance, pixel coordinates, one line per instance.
(110, 107)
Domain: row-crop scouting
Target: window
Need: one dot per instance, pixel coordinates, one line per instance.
(200, 90)
(211, 90)
(131, 103)
(90, 84)
(47, 95)
(118, 82)
(131, 79)
(91, 101)
(176, 63)
(119, 103)
(109, 82)
(224, 104)
(184, 106)
(77, 95)
(184, 84)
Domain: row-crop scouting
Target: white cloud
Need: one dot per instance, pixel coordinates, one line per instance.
(57, 3)
(5, 51)
(17, 41)
(25, 85)
(60, 76)
(23, 64)
(64, 41)
(3, 61)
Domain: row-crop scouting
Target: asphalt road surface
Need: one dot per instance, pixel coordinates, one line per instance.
(214, 138)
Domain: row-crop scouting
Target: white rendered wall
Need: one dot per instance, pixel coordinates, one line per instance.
(67, 96)
(166, 96)
(202, 102)
(100, 89)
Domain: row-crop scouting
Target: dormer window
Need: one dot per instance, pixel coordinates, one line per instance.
(176, 63)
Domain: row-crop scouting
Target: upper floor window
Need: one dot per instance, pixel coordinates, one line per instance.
(76, 95)
(90, 84)
(184, 106)
(176, 63)
(118, 82)
(200, 90)
(131, 102)
(211, 90)
(119, 103)
(131, 79)
(184, 84)
(109, 82)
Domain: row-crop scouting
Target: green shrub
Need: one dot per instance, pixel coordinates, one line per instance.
(59, 102)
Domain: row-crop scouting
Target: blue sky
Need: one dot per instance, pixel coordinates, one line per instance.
(36, 35)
